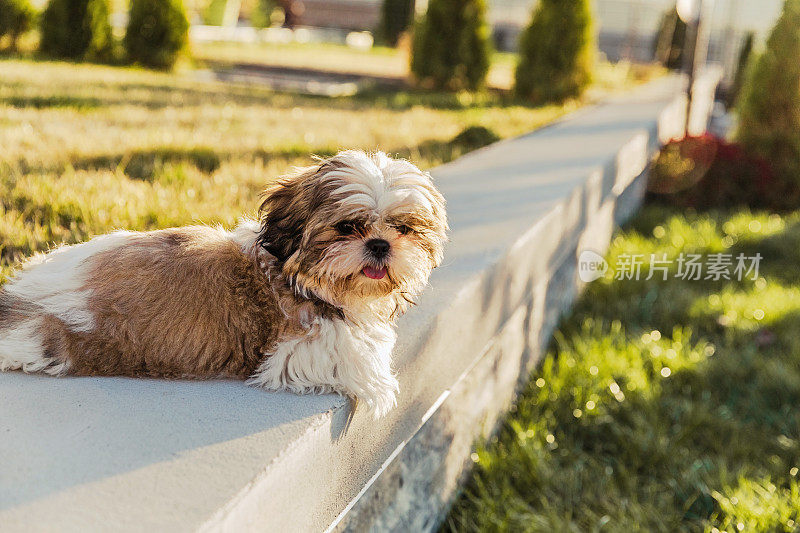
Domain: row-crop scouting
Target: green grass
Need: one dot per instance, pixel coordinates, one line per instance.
(380, 61)
(662, 405)
(89, 148)
(377, 61)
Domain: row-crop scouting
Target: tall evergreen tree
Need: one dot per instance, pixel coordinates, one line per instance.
(158, 32)
(396, 17)
(77, 29)
(261, 13)
(769, 107)
(557, 52)
(16, 17)
(451, 45)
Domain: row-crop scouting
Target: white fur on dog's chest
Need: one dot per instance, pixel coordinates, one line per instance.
(353, 359)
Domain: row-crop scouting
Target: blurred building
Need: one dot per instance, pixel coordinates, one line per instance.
(626, 28)
(345, 14)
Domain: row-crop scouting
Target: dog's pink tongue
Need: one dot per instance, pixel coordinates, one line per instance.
(374, 273)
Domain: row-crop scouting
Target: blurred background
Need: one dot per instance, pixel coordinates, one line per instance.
(627, 29)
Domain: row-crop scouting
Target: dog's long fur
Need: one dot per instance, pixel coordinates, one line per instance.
(285, 302)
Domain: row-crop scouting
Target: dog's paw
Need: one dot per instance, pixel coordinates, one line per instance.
(378, 400)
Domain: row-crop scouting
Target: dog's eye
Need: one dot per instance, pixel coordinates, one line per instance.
(403, 229)
(348, 227)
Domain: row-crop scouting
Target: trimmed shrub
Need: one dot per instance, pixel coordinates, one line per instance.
(670, 39)
(261, 14)
(708, 172)
(451, 45)
(769, 108)
(557, 52)
(214, 12)
(474, 137)
(77, 29)
(16, 18)
(396, 17)
(158, 32)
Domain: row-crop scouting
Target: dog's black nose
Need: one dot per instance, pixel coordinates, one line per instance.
(378, 247)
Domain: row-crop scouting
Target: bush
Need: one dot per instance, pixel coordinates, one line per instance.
(769, 108)
(708, 172)
(474, 137)
(396, 16)
(556, 51)
(451, 45)
(261, 14)
(214, 12)
(670, 40)
(157, 32)
(16, 18)
(77, 29)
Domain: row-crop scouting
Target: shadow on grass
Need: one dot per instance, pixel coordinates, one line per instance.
(157, 97)
(445, 101)
(149, 164)
(163, 95)
(145, 164)
(437, 151)
(605, 438)
(47, 102)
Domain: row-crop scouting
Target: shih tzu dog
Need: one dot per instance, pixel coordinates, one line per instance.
(303, 300)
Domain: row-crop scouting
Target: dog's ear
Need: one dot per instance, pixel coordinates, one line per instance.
(283, 215)
(286, 208)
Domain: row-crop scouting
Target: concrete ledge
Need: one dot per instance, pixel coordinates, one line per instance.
(132, 455)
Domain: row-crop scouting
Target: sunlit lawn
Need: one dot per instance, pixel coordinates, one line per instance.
(377, 61)
(88, 148)
(663, 405)
(384, 62)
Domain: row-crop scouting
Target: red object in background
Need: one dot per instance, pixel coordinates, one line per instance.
(706, 171)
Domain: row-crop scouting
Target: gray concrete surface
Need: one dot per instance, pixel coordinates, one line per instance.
(80, 454)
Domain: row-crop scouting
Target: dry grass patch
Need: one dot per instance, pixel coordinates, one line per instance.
(90, 148)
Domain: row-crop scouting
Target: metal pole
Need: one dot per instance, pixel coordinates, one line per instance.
(703, 34)
(689, 48)
(731, 39)
(696, 51)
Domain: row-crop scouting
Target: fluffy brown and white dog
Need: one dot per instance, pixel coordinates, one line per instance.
(303, 300)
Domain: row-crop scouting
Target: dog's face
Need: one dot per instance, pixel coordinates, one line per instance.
(356, 228)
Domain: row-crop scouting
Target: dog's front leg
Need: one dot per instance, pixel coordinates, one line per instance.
(335, 356)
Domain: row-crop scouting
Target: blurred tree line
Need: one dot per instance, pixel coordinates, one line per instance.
(451, 49)
(79, 30)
